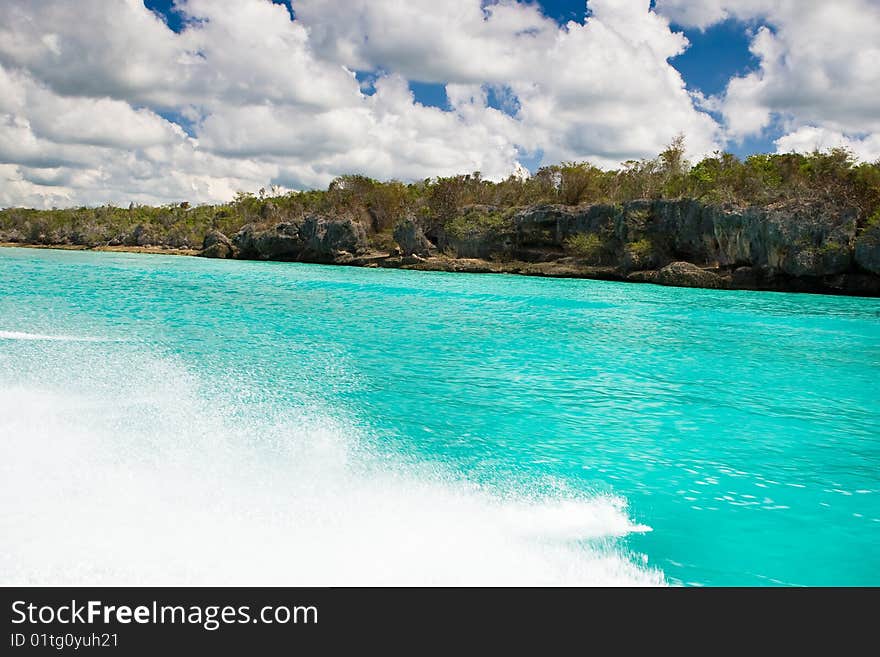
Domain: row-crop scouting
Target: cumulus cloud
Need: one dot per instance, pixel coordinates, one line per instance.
(100, 49)
(458, 41)
(603, 88)
(818, 75)
(810, 138)
(102, 102)
(85, 90)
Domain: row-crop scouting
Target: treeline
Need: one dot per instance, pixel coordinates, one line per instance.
(832, 176)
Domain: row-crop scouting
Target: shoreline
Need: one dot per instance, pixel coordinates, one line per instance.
(380, 260)
(443, 263)
(154, 250)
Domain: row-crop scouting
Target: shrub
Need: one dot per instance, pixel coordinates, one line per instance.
(587, 246)
(478, 220)
(641, 249)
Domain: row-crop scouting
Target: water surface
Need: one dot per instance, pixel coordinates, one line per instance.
(170, 420)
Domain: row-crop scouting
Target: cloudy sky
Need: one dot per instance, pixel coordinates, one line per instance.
(157, 101)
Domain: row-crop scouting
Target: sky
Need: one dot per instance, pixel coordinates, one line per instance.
(160, 101)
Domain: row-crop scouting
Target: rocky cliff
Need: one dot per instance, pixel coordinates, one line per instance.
(806, 247)
(313, 238)
(809, 248)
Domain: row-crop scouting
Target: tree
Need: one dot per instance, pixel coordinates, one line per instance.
(672, 168)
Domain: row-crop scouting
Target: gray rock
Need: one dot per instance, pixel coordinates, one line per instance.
(140, 236)
(217, 245)
(12, 235)
(867, 250)
(411, 239)
(337, 235)
(685, 274)
(315, 238)
(806, 240)
(810, 241)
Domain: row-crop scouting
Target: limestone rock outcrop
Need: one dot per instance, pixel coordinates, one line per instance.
(314, 238)
(411, 239)
(217, 245)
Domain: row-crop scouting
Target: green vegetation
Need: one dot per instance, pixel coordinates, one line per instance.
(831, 176)
(641, 249)
(477, 220)
(586, 246)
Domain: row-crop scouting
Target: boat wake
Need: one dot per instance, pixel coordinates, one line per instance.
(134, 470)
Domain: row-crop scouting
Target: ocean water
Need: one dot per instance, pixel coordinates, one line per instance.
(172, 420)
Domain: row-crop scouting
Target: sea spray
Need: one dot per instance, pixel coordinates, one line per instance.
(134, 471)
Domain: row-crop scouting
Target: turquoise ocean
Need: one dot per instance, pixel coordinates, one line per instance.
(173, 420)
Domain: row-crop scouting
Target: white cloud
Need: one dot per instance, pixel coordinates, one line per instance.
(818, 73)
(84, 88)
(454, 41)
(810, 138)
(93, 48)
(603, 89)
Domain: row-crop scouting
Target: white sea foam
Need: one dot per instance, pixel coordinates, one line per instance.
(135, 472)
(20, 335)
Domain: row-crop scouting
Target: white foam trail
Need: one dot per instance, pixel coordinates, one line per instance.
(131, 472)
(19, 335)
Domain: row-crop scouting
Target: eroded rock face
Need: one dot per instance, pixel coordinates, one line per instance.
(867, 250)
(485, 245)
(12, 235)
(798, 246)
(411, 239)
(217, 245)
(552, 225)
(803, 241)
(140, 236)
(807, 241)
(479, 231)
(314, 238)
